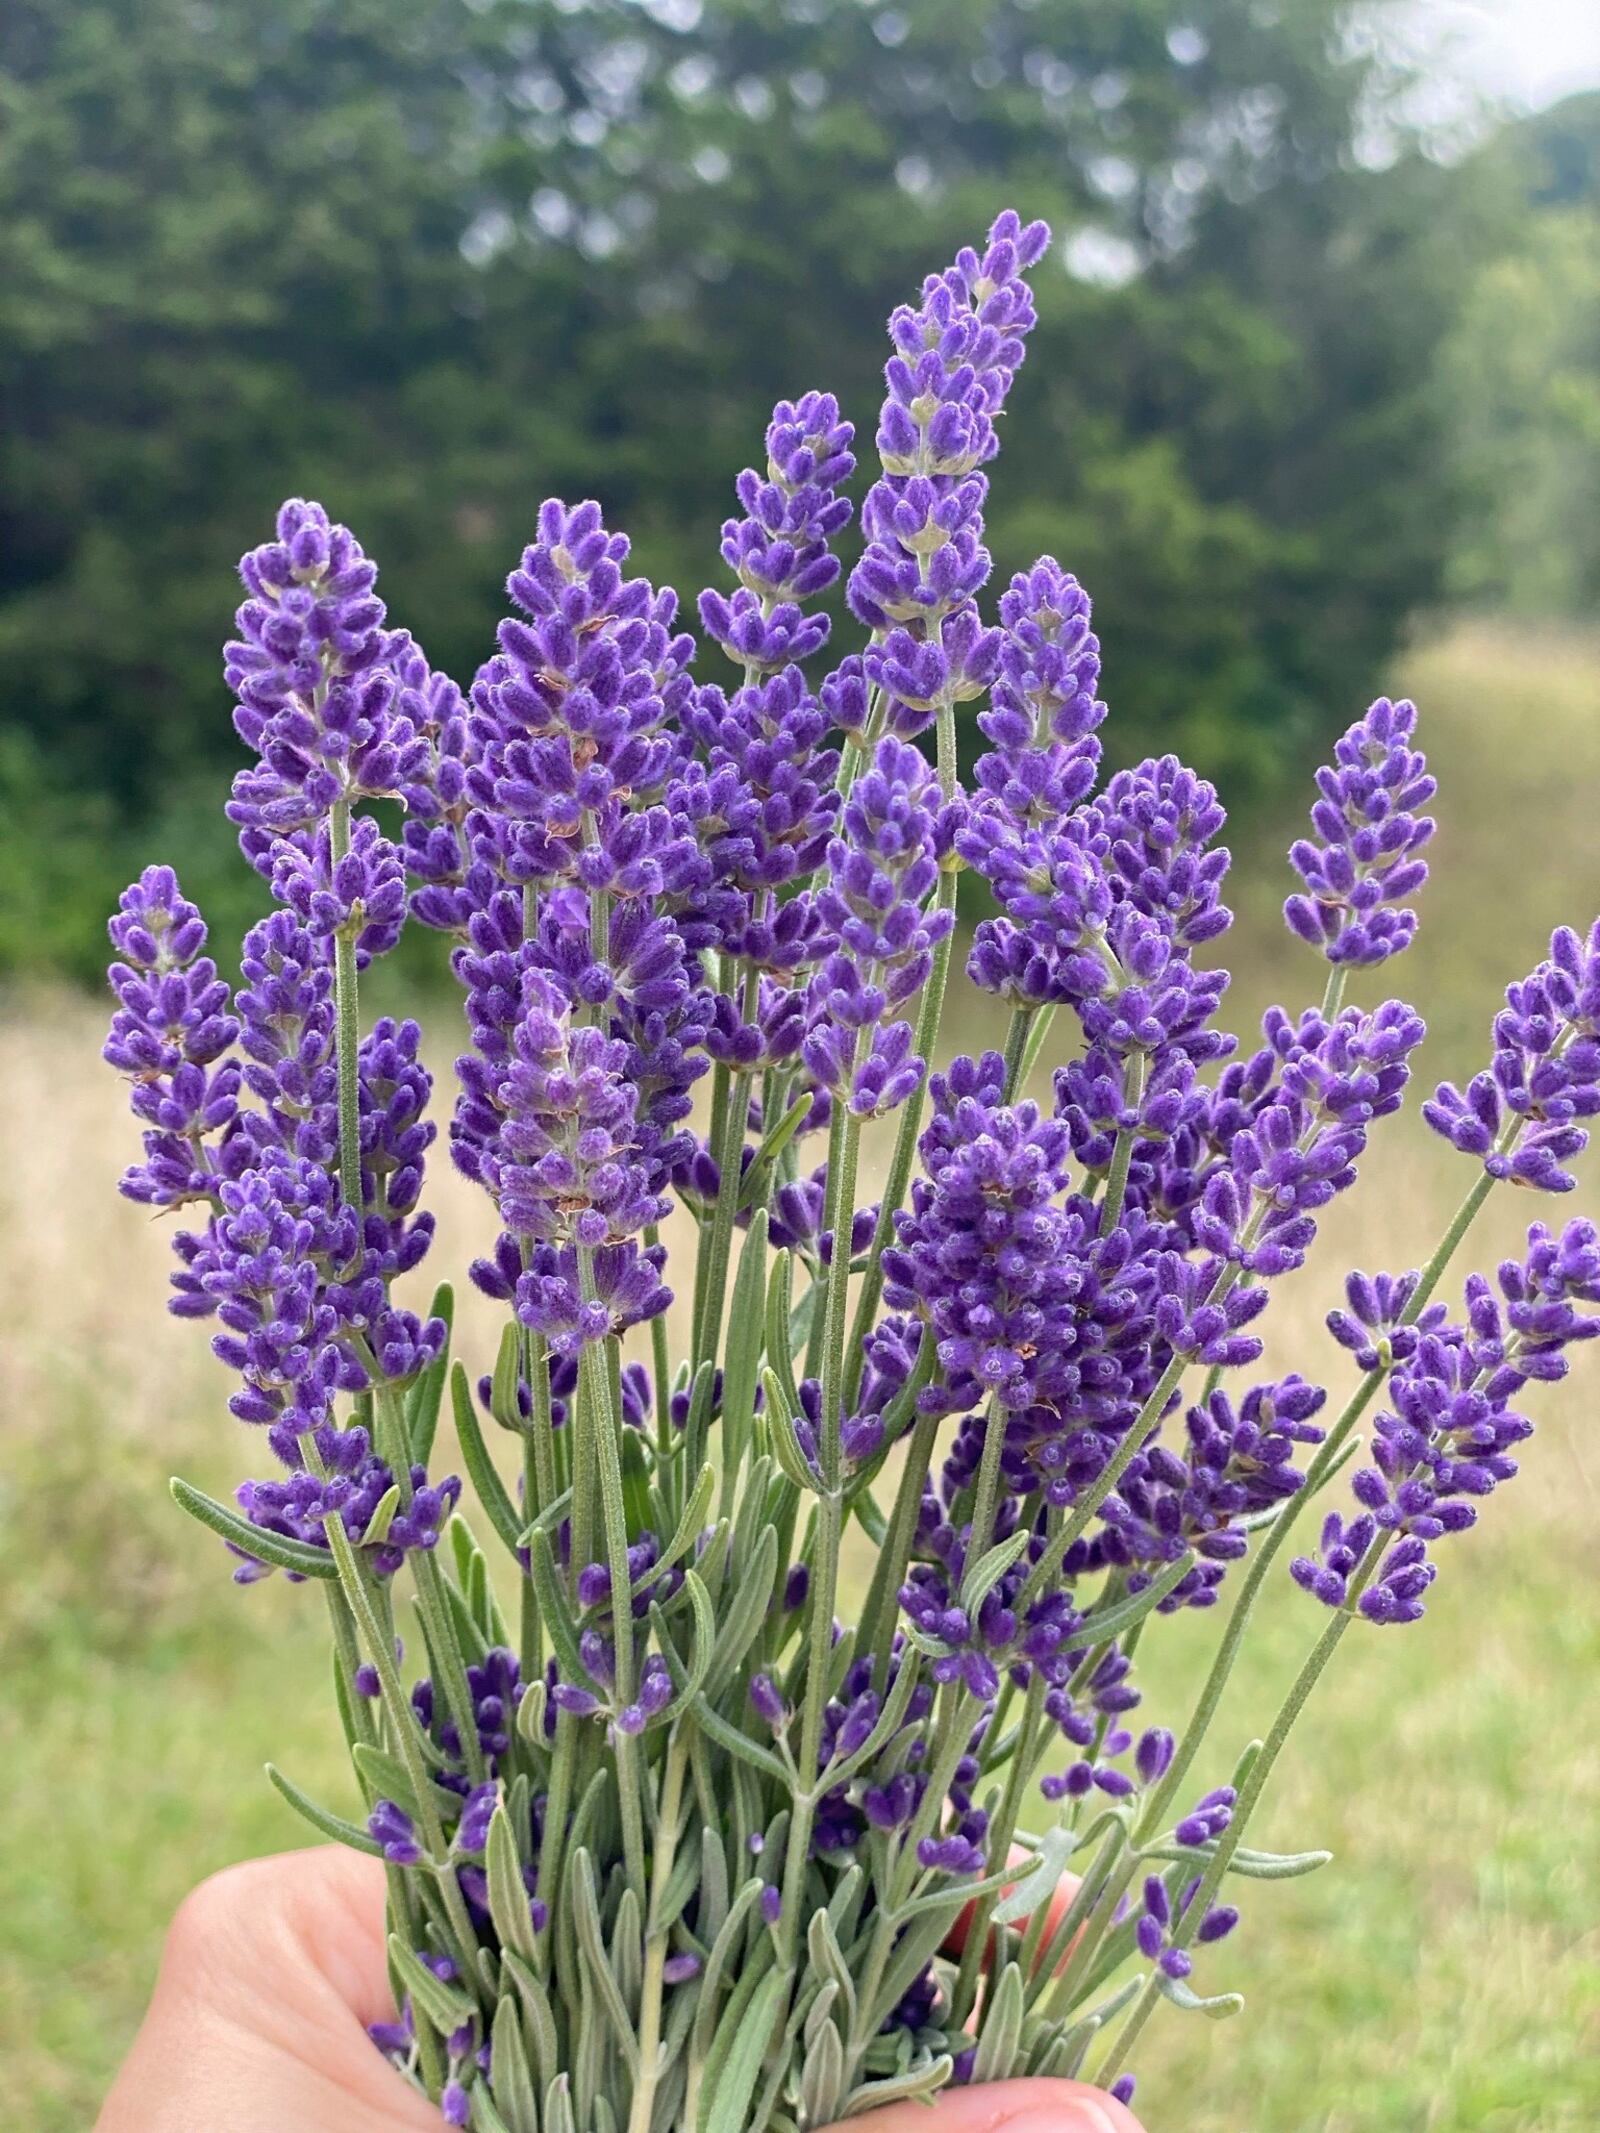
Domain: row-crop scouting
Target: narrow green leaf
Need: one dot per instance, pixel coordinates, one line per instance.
(513, 2078)
(1101, 1624)
(918, 2084)
(504, 1386)
(742, 1359)
(1001, 2034)
(445, 2007)
(913, 1952)
(425, 1395)
(553, 1609)
(828, 1963)
(508, 1897)
(501, 1512)
(688, 1529)
(591, 1944)
(888, 1725)
(558, 2116)
(1039, 1878)
(1276, 1866)
(274, 1548)
(754, 1182)
(869, 1516)
(747, 1614)
(736, 2068)
(711, 1722)
(377, 1528)
(321, 1818)
(386, 1775)
(1252, 1865)
(779, 1356)
(729, 1935)
(780, 1438)
(1182, 1994)
(540, 2016)
(638, 1508)
(485, 2117)
(530, 1715)
(822, 2077)
(991, 1567)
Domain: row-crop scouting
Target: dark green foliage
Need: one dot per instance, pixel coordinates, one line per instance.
(431, 261)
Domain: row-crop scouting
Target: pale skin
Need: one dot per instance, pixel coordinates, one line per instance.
(271, 1972)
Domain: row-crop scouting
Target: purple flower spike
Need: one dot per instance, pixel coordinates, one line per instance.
(1371, 841)
(361, 895)
(172, 1027)
(317, 698)
(882, 871)
(1043, 709)
(779, 550)
(1521, 1116)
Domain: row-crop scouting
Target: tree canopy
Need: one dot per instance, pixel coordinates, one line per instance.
(430, 260)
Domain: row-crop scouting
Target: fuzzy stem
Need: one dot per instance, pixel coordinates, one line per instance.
(888, 1574)
(668, 1817)
(606, 1436)
(1122, 1152)
(347, 1028)
(930, 1012)
(1001, 1831)
(1017, 1034)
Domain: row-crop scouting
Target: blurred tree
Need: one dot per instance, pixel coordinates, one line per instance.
(432, 259)
(1521, 370)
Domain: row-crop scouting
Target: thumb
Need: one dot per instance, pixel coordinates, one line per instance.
(1004, 2107)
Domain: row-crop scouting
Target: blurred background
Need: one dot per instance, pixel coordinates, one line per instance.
(1313, 409)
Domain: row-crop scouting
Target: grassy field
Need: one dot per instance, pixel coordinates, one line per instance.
(1443, 1975)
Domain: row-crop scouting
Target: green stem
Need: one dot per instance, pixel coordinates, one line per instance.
(929, 1011)
(403, 1726)
(1249, 1795)
(659, 1938)
(1001, 1831)
(719, 1249)
(1160, 1799)
(347, 1029)
(889, 1571)
(1035, 1044)
(1122, 1151)
(1055, 1554)
(987, 1493)
(605, 1433)
(1021, 1026)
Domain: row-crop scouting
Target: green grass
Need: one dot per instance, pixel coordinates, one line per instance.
(1442, 1977)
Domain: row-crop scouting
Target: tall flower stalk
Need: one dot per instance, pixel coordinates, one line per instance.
(674, 1829)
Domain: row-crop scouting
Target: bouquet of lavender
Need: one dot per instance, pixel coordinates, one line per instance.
(680, 1831)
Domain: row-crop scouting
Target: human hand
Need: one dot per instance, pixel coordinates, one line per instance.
(271, 1973)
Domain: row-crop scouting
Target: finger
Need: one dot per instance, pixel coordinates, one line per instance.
(333, 1904)
(1005, 2107)
(1060, 1904)
(258, 2023)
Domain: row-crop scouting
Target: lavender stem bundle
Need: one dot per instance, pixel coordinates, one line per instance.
(682, 1829)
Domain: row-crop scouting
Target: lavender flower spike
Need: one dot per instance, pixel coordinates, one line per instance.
(1371, 841)
(172, 1026)
(779, 549)
(1521, 1115)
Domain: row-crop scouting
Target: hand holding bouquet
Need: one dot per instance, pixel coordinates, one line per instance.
(676, 1834)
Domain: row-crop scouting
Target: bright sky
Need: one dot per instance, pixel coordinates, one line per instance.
(1529, 51)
